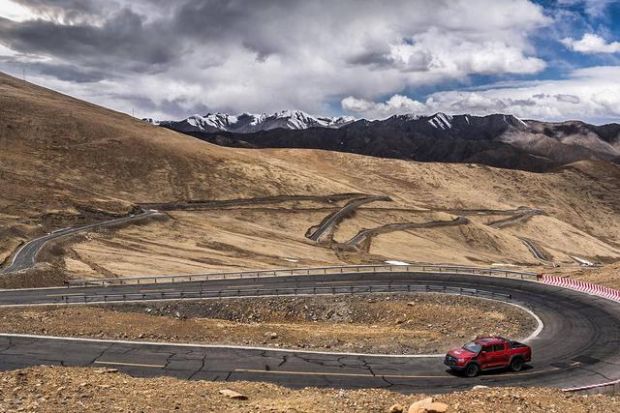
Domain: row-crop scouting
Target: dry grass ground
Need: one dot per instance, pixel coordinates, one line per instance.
(63, 161)
(411, 324)
(57, 389)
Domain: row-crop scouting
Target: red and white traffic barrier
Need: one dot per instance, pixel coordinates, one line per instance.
(583, 286)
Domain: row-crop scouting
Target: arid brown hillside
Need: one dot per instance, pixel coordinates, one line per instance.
(61, 156)
(64, 161)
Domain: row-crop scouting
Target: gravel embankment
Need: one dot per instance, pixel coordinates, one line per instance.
(57, 389)
(403, 324)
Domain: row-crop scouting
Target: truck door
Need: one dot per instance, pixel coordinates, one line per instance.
(486, 357)
(501, 356)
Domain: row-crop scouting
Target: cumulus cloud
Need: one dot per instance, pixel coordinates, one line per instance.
(265, 55)
(592, 93)
(591, 43)
(397, 104)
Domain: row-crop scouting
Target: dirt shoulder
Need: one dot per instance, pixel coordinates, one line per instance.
(400, 324)
(58, 389)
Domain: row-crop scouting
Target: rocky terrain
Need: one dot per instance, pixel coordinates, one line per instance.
(402, 324)
(58, 389)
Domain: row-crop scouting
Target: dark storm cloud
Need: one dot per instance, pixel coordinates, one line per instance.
(62, 72)
(124, 41)
(257, 25)
(105, 35)
(67, 72)
(178, 107)
(372, 58)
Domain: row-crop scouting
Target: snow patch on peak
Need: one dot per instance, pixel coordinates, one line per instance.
(520, 121)
(250, 122)
(441, 121)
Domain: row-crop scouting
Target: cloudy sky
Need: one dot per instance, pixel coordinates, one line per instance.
(545, 59)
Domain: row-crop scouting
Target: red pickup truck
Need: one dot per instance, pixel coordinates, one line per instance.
(488, 353)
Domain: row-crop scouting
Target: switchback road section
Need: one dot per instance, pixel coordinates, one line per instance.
(577, 346)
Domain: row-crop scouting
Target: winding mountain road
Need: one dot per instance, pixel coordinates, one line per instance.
(26, 256)
(365, 236)
(534, 250)
(330, 221)
(577, 345)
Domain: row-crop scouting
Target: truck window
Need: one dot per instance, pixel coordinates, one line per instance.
(498, 347)
(488, 349)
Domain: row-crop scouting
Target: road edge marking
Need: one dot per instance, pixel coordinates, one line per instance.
(218, 346)
(122, 363)
(318, 373)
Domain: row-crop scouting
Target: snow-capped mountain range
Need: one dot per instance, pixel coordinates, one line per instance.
(499, 139)
(250, 123)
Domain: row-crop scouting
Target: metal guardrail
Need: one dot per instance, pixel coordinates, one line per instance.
(288, 291)
(287, 272)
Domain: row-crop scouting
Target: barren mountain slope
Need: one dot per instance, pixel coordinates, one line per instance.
(63, 157)
(64, 161)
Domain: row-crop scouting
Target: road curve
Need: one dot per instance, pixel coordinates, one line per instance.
(365, 236)
(333, 219)
(26, 256)
(577, 346)
(534, 250)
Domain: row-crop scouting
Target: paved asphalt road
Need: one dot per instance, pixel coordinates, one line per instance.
(351, 206)
(26, 256)
(534, 249)
(579, 344)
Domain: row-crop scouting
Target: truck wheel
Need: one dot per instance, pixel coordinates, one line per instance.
(472, 370)
(516, 364)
